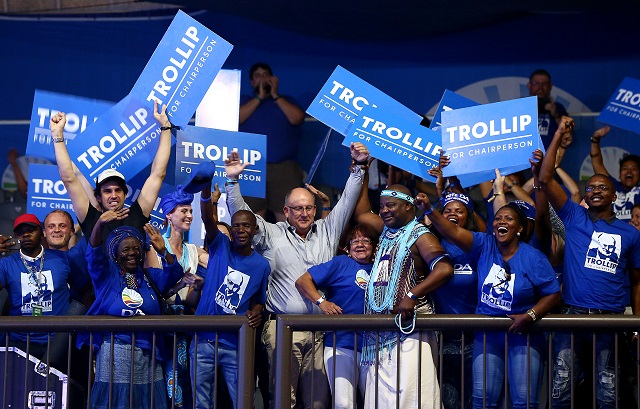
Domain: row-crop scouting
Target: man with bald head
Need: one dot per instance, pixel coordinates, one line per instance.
(599, 250)
(292, 247)
(409, 265)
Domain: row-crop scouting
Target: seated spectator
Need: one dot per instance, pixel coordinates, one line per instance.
(344, 279)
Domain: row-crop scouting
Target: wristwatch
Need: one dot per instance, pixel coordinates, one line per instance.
(321, 300)
(532, 313)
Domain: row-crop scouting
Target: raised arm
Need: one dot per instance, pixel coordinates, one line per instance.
(326, 202)
(555, 193)
(209, 219)
(79, 198)
(542, 227)
(151, 187)
(363, 213)
(461, 237)
(596, 154)
(570, 184)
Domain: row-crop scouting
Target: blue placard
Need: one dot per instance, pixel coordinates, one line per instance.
(343, 97)
(81, 112)
(125, 138)
(197, 145)
(397, 141)
(449, 101)
(481, 138)
(46, 192)
(182, 68)
(623, 109)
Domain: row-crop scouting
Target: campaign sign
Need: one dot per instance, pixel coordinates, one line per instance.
(484, 137)
(449, 101)
(46, 192)
(197, 145)
(342, 98)
(81, 112)
(125, 138)
(623, 109)
(135, 187)
(397, 141)
(198, 232)
(182, 68)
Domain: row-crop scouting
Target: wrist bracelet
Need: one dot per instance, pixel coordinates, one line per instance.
(511, 185)
(537, 187)
(532, 313)
(593, 155)
(595, 140)
(166, 251)
(498, 193)
(57, 139)
(277, 98)
(205, 199)
(170, 127)
(231, 181)
(259, 99)
(364, 162)
(320, 300)
(428, 212)
(214, 203)
(411, 295)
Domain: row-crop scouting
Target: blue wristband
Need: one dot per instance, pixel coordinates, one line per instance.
(428, 212)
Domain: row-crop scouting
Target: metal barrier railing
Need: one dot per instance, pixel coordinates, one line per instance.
(151, 324)
(287, 324)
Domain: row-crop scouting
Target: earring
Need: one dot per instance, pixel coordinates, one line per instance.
(518, 234)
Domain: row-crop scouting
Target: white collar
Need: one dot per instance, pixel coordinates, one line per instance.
(32, 259)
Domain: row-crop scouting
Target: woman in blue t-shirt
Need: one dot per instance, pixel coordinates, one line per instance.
(344, 280)
(123, 290)
(514, 280)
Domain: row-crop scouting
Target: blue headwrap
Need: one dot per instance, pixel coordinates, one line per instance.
(528, 210)
(173, 199)
(117, 235)
(462, 198)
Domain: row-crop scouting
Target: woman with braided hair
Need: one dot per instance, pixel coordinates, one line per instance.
(122, 289)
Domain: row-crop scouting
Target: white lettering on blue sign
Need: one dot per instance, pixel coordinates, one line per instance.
(481, 129)
(170, 72)
(213, 152)
(628, 97)
(405, 138)
(48, 187)
(348, 96)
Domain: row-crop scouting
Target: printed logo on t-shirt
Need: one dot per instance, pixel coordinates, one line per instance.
(497, 288)
(604, 252)
(362, 279)
(624, 203)
(37, 289)
(543, 124)
(231, 290)
(131, 298)
(462, 269)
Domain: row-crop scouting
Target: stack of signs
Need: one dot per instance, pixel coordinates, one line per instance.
(623, 109)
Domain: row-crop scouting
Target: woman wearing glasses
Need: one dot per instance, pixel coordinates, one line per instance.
(514, 280)
(344, 280)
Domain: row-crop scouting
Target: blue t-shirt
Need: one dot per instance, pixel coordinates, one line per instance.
(626, 199)
(283, 139)
(460, 294)
(532, 278)
(47, 288)
(114, 298)
(547, 125)
(231, 282)
(344, 281)
(596, 255)
(79, 268)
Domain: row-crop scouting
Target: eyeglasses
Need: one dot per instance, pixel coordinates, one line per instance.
(299, 209)
(360, 241)
(602, 188)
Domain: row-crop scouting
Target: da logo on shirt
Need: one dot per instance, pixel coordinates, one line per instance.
(131, 298)
(362, 279)
(462, 269)
(497, 289)
(604, 252)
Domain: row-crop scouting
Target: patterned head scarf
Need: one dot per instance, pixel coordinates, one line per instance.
(459, 197)
(171, 200)
(116, 237)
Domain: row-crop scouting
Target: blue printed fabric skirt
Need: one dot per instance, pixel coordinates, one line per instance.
(121, 387)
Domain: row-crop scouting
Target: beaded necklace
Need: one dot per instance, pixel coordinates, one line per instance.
(35, 273)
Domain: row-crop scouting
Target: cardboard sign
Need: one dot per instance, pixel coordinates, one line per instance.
(449, 101)
(481, 138)
(81, 112)
(623, 109)
(182, 68)
(46, 192)
(342, 98)
(397, 141)
(125, 138)
(197, 145)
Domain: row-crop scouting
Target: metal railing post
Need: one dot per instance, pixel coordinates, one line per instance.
(282, 358)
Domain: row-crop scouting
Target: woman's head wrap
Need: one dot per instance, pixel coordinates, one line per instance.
(117, 235)
(171, 200)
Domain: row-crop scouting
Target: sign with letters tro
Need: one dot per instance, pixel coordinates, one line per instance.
(342, 98)
(80, 112)
(196, 145)
(182, 68)
(397, 141)
(623, 109)
(46, 192)
(484, 137)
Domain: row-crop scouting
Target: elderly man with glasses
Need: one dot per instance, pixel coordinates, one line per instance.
(292, 247)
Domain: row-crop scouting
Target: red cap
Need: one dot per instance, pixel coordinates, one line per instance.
(27, 218)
